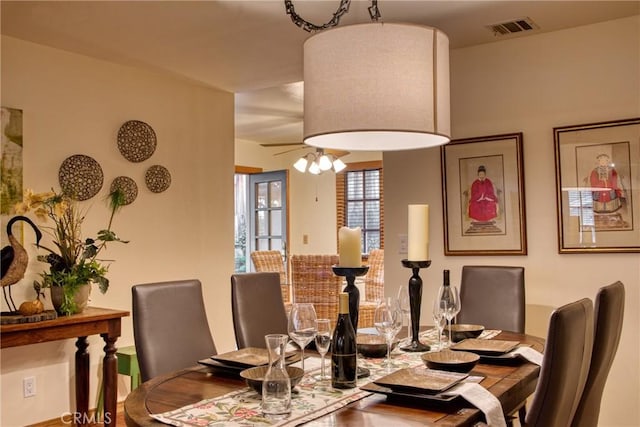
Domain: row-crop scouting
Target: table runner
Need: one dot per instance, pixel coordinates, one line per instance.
(310, 400)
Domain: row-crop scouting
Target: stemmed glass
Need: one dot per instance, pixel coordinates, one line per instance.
(302, 325)
(405, 307)
(388, 321)
(439, 318)
(451, 297)
(323, 341)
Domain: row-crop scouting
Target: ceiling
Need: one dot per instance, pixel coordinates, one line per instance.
(252, 48)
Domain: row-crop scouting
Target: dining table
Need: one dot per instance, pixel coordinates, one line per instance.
(511, 382)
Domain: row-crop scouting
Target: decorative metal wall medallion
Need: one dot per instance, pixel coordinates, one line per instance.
(128, 186)
(80, 177)
(136, 141)
(157, 178)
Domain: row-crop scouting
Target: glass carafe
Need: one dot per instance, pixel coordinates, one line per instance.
(276, 387)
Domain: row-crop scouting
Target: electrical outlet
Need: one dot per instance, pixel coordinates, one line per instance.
(29, 386)
(403, 244)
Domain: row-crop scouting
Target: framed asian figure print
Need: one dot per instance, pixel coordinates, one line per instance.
(483, 196)
(597, 179)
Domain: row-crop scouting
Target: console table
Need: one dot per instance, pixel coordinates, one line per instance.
(92, 321)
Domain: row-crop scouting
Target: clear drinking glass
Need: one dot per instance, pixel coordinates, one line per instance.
(439, 318)
(323, 341)
(451, 297)
(405, 306)
(388, 321)
(302, 325)
(276, 386)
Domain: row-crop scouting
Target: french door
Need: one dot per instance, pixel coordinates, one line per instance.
(268, 210)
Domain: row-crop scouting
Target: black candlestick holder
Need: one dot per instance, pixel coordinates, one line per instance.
(350, 273)
(415, 301)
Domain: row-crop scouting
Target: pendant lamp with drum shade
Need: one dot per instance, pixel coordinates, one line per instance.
(376, 86)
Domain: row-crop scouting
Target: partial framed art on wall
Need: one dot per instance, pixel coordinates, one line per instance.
(597, 181)
(483, 196)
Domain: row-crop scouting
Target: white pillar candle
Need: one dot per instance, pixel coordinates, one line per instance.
(418, 232)
(349, 247)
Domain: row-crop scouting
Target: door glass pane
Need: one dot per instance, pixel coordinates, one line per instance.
(355, 214)
(275, 194)
(372, 184)
(262, 195)
(262, 244)
(241, 219)
(372, 241)
(262, 228)
(372, 214)
(276, 223)
(355, 185)
(276, 244)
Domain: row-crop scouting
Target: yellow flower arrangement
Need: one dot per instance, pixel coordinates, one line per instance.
(74, 262)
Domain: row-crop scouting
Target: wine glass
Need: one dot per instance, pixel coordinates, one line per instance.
(405, 307)
(323, 341)
(302, 325)
(388, 321)
(451, 297)
(439, 318)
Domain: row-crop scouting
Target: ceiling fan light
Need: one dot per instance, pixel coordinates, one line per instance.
(314, 168)
(338, 165)
(324, 163)
(301, 164)
(395, 78)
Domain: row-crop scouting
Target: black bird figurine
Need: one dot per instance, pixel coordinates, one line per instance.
(15, 259)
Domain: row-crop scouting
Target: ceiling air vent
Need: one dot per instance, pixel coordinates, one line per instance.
(513, 27)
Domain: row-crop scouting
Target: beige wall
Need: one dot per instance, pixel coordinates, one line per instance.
(532, 84)
(73, 104)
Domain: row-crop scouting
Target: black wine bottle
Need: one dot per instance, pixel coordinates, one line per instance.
(446, 294)
(343, 354)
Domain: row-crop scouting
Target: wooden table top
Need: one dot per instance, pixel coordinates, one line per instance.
(511, 383)
(93, 320)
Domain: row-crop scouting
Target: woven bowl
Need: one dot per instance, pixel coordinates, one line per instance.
(461, 331)
(255, 376)
(370, 345)
(447, 360)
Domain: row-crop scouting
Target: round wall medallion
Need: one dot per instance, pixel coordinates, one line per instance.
(128, 187)
(157, 178)
(80, 177)
(136, 141)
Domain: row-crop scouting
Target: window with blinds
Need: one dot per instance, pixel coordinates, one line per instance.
(360, 202)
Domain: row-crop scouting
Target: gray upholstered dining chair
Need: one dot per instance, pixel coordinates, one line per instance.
(257, 308)
(565, 366)
(493, 296)
(609, 314)
(170, 326)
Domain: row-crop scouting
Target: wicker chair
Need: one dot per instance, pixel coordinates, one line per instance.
(313, 281)
(271, 261)
(374, 288)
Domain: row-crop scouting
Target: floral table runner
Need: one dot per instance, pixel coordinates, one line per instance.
(311, 398)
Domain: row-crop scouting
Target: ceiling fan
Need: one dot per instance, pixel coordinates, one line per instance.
(315, 162)
(302, 146)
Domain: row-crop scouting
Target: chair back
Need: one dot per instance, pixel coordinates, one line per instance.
(503, 286)
(565, 366)
(170, 326)
(609, 314)
(313, 281)
(374, 279)
(272, 261)
(257, 308)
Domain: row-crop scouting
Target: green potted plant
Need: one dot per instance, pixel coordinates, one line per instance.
(74, 263)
